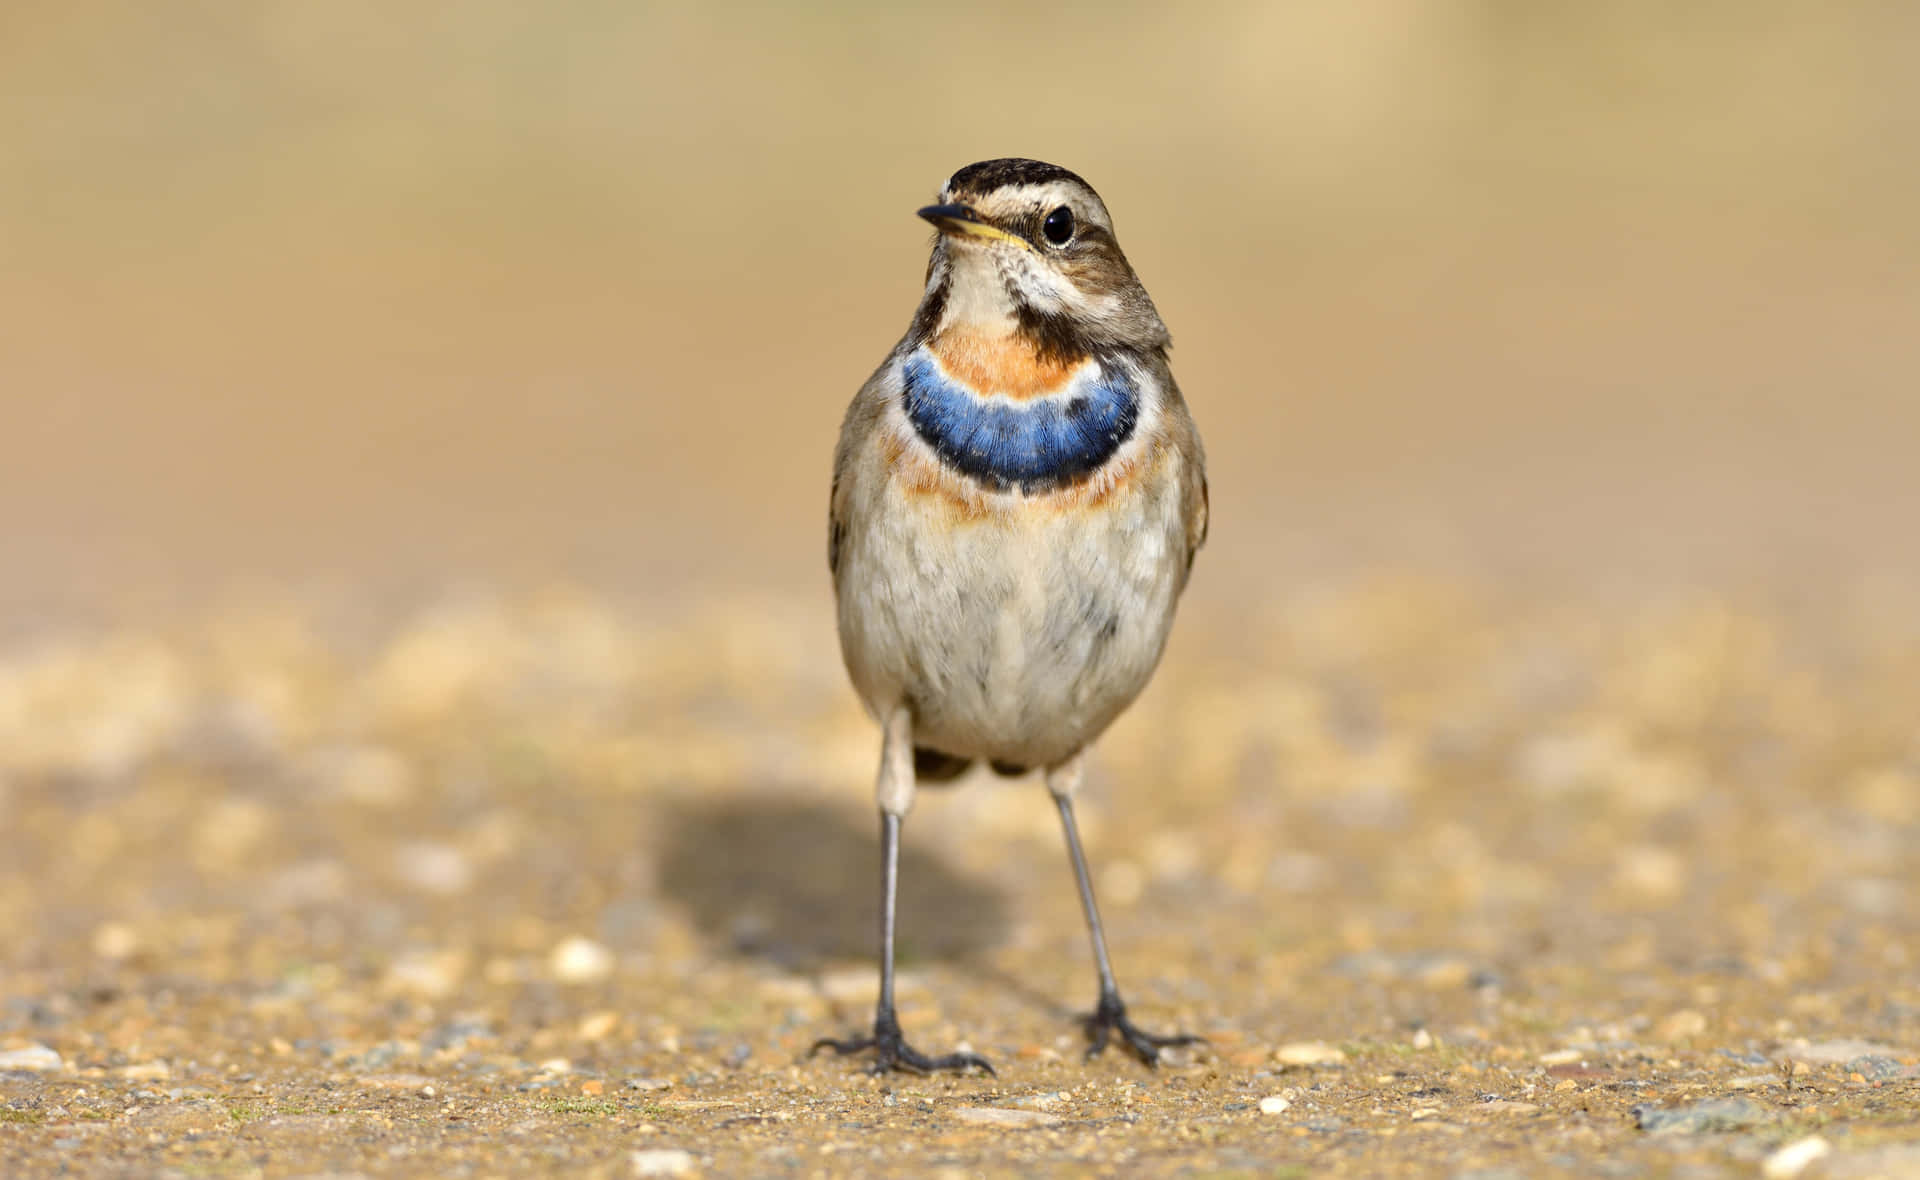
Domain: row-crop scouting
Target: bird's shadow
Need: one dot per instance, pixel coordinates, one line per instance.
(796, 882)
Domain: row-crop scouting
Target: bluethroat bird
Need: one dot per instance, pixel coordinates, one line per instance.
(1018, 493)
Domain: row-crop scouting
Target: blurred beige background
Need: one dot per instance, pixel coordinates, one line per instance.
(390, 295)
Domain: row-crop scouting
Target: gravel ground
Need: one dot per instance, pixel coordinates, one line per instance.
(1454, 882)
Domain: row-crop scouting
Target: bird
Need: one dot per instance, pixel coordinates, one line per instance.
(1018, 494)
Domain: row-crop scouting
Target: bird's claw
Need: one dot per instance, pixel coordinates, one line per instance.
(891, 1053)
(1111, 1017)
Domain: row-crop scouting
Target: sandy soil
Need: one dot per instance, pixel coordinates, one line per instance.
(1453, 882)
(1515, 866)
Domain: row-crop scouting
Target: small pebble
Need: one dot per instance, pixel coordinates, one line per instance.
(1653, 873)
(1714, 1114)
(1509, 1106)
(1308, 1053)
(430, 974)
(1683, 1025)
(661, 1161)
(1423, 1039)
(1753, 1081)
(146, 1071)
(1793, 1158)
(32, 1059)
(1275, 1104)
(1873, 1067)
(580, 960)
(116, 941)
(1179, 1056)
(391, 1081)
(439, 869)
(1001, 1116)
(1835, 1052)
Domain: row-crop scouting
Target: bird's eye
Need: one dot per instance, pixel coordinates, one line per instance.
(1058, 227)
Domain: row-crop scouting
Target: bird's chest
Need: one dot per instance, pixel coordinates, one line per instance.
(1035, 568)
(1016, 525)
(1019, 627)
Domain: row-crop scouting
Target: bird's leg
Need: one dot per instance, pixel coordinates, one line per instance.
(1110, 1015)
(894, 791)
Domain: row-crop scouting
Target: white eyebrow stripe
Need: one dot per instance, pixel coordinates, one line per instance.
(1036, 194)
(1017, 197)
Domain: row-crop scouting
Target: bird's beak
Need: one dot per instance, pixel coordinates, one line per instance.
(961, 221)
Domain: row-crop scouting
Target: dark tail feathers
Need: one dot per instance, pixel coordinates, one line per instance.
(933, 766)
(936, 766)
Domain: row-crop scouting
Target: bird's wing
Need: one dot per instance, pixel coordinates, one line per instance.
(862, 419)
(1184, 438)
(836, 523)
(1194, 504)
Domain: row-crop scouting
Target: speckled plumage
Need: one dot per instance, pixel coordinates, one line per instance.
(1018, 494)
(1013, 625)
(1013, 595)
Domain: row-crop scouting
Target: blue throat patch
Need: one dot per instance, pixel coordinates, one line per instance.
(1036, 445)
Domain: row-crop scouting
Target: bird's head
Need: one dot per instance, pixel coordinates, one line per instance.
(1028, 248)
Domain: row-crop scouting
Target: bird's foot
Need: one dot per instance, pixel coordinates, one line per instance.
(1111, 1017)
(892, 1053)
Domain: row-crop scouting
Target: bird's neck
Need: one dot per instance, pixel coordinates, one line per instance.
(975, 299)
(989, 362)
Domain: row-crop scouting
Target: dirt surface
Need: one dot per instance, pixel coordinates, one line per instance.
(1453, 883)
(1531, 868)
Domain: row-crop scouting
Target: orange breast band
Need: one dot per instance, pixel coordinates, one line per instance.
(1005, 365)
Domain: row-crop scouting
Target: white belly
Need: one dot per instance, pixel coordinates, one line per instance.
(1018, 635)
